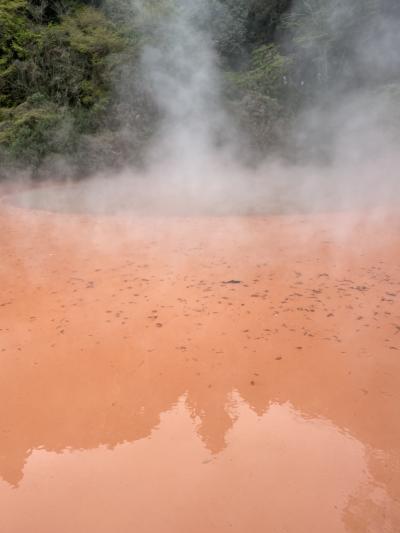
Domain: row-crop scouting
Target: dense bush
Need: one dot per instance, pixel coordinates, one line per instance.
(55, 76)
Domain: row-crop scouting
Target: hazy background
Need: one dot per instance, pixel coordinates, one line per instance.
(219, 105)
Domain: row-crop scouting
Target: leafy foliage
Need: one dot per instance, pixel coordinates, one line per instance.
(35, 128)
(267, 72)
(55, 77)
(258, 94)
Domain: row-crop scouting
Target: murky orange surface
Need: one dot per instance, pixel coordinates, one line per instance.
(141, 390)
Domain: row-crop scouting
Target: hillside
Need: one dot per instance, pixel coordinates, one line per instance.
(75, 99)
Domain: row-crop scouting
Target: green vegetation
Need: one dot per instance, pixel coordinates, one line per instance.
(72, 89)
(259, 94)
(56, 69)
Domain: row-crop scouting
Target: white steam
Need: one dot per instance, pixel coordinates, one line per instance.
(343, 146)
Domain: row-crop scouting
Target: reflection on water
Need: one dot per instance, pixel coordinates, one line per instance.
(280, 471)
(142, 391)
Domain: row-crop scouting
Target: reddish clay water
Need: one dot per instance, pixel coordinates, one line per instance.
(141, 392)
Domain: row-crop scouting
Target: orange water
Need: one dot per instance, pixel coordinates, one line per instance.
(140, 392)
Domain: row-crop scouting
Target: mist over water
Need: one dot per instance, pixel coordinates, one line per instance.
(208, 337)
(342, 145)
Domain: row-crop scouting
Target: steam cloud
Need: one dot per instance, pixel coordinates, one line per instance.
(343, 144)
